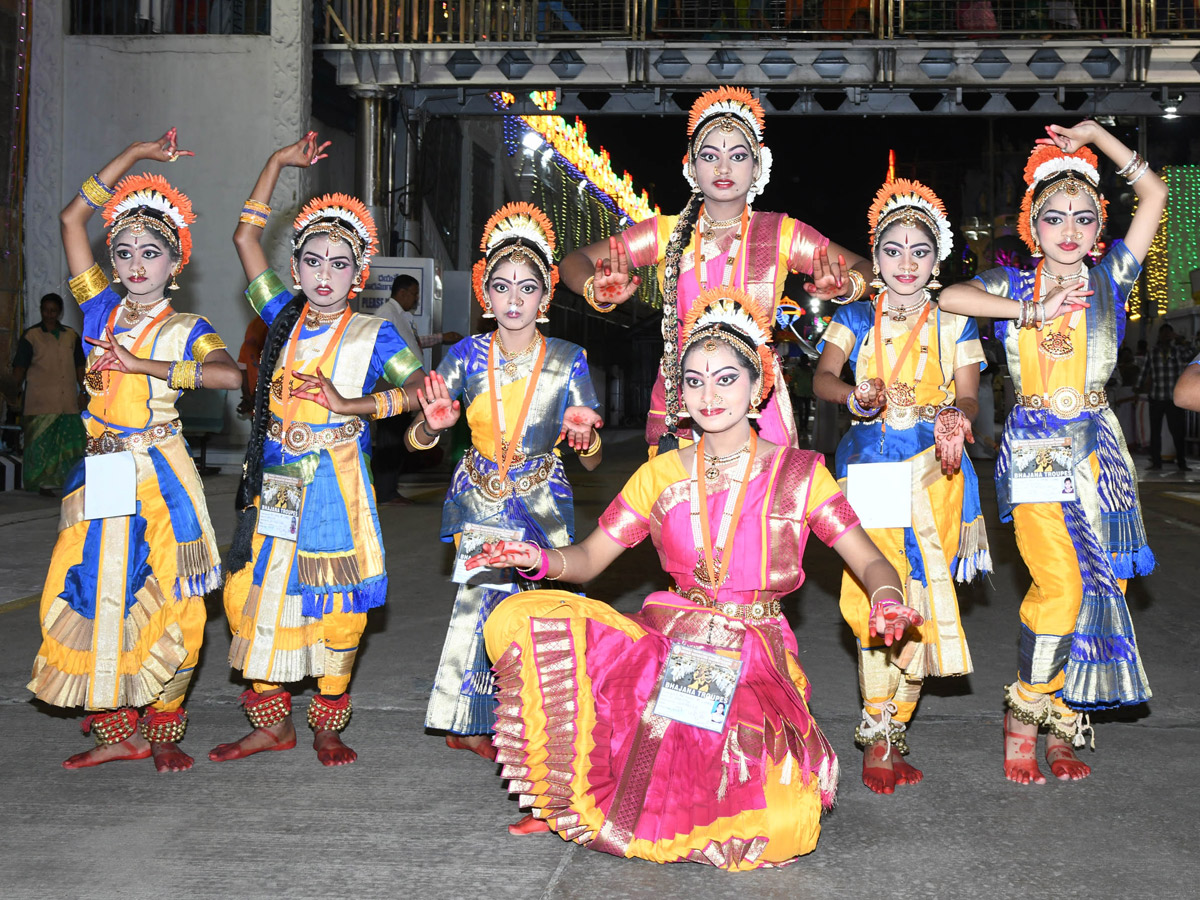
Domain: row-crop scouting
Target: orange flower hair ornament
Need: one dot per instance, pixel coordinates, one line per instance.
(148, 201)
(727, 109)
(342, 218)
(1049, 171)
(728, 314)
(518, 232)
(909, 202)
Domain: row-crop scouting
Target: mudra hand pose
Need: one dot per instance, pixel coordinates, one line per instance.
(580, 730)
(300, 586)
(123, 605)
(717, 240)
(1061, 325)
(916, 377)
(523, 394)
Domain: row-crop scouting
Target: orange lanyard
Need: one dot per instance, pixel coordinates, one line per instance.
(715, 572)
(506, 452)
(111, 384)
(289, 403)
(731, 258)
(881, 350)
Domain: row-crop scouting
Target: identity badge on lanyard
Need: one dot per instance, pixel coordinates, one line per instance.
(1043, 469)
(881, 493)
(697, 687)
(279, 506)
(110, 485)
(474, 536)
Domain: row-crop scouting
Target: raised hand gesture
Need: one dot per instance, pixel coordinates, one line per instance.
(577, 425)
(613, 282)
(951, 430)
(1068, 140)
(440, 411)
(1066, 298)
(304, 153)
(320, 390)
(828, 279)
(165, 149)
(114, 357)
(505, 554)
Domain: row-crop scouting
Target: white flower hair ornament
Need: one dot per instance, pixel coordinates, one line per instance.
(909, 202)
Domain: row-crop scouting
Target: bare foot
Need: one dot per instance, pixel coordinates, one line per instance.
(476, 743)
(1064, 764)
(905, 774)
(135, 747)
(879, 773)
(330, 749)
(529, 825)
(169, 758)
(277, 737)
(1020, 751)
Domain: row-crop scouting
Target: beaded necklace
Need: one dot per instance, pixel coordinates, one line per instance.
(712, 565)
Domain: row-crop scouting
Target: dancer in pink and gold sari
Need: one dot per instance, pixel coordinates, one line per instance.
(683, 733)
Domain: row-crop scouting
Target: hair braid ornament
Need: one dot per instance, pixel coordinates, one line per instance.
(910, 203)
(519, 232)
(729, 109)
(149, 201)
(1048, 171)
(728, 314)
(669, 365)
(342, 218)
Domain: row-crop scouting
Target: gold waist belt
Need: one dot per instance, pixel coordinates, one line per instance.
(113, 442)
(498, 489)
(302, 437)
(1066, 402)
(759, 609)
(903, 417)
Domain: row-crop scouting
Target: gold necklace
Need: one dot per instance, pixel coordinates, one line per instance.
(712, 464)
(1079, 276)
(316, 319)
(900, 313)
(720, 223)
(134, 312)
(511, 359)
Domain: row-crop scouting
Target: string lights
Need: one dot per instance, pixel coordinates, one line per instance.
(1175, 250)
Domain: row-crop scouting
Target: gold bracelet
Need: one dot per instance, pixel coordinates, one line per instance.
(860, 285)
(592, 450)
(95, 193)
(562, 559)
(412, 436)
(589, 294)
(257, 206)
(379, 404)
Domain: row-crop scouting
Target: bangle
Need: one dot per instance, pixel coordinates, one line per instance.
(562, 573)
(858, 411)
(255, 213)
(948, 408)
(390, 403)
(541, 571)
(858, 286)
(412, 436)
(592, 450)
(1129, 166)
(184, 375)
(589, 294)
(1136, 176)
(95, 193)
(1041, 315)
(887, 601)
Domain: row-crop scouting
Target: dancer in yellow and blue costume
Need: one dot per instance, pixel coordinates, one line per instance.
(523, 393)
(916, 368)
(297, 599)
(1078, 650)
(122, 609)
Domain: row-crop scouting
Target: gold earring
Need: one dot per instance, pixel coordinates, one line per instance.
(295, 279)
(542, 317)
(487, 309)
(934, 284)
(878, 282)
(116, 279)
(174, 285)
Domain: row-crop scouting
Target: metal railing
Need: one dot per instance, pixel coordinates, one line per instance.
(170, 17)
(471, 21)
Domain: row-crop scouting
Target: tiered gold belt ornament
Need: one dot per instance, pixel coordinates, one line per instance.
(302, 437)
(754, 612)
(115, 442)
(497, 488)
(1065, 402)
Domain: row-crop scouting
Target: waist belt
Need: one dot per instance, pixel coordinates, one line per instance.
(759, 609)
(903, 417)
(302, 437)
(515, 485)
(115, 442)
(1066, 402)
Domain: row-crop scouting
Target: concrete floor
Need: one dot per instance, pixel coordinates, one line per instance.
(413, 819)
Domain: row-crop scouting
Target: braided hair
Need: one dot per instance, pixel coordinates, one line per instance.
(252, 467)
(680, 235)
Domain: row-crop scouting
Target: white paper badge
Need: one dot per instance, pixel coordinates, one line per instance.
(881, 493)
(474, 536)
(1042, 470)
(279, 506)
(110, 485)
(697, 687)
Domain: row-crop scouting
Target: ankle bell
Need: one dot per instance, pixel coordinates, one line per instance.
(112, 727)
(266, 711)
(1031, 712)
(165, 727)
(329, 715)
